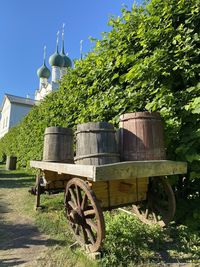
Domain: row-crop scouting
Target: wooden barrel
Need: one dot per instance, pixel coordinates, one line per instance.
(11, 162)
(58, 145)
(141, 136)
(96, 144)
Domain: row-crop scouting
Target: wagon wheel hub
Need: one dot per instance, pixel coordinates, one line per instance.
(77, 217)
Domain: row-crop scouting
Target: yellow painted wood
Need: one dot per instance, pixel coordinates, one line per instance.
(120, 192)
(54, 176)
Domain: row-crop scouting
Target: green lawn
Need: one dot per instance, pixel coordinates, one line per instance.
(128, 242)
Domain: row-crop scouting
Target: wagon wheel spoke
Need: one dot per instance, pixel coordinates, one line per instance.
(135, 209)
(84, 214)
(92, 224)
(77, 229)
(89, 213)
(155, 217)
(146, 213)
(72, 205)
(85, 237)
(73, 196)
(79, 197)
(84, 202)
(90, 234)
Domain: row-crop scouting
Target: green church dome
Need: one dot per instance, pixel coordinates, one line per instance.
(67, 60)
(43, 72)
(56, 60)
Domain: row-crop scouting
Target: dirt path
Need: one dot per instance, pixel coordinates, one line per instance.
(21, 244)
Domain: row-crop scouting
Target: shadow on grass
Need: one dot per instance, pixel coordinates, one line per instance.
(20, 236)
(3, 209)
(11, 262)
(23, 236)
(17, 183)
(14, 174)
(15, 179)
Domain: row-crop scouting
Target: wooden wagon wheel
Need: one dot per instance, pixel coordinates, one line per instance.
(160, 205)
(84, 214)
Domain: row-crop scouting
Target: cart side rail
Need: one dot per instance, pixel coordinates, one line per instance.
(139, 169)
(87, 171)
(115, 171)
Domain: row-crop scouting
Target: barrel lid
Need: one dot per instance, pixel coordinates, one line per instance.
(140, 115)
(58, 130)
(95, 126)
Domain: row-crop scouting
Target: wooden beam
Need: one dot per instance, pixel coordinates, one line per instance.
(115, 171)
(87, 171)
(139, 169)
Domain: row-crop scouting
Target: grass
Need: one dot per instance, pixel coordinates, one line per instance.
(50, 221)
(128, 242)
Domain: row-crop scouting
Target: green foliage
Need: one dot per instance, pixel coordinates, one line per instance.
(150, 60)
(129, 242)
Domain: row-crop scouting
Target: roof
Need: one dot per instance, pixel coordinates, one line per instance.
(19, 100)
(56, 60)
(43, 72)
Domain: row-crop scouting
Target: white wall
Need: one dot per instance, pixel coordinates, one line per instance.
(63, 71)
(55, 74)
(18, 111)
(5, 118)
(43, 91)
(11, 115)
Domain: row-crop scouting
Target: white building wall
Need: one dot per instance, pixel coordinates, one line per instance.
(43, 91)
(43, 83)
(18, 111)
(11, 115)
(55, 74)
(5, 118)
(63, 71)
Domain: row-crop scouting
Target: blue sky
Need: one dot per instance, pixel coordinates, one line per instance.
(27, 25)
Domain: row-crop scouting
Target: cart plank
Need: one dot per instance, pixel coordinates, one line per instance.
(139, 169)
(87, 171)
(115, 171)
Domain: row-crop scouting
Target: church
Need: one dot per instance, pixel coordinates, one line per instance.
(59, 63)
(15, 108)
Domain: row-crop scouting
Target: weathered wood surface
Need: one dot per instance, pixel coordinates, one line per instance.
(141, 136)
(65, 168)
(138, 169)
(58, 145)
(115, 171)
(96, 144)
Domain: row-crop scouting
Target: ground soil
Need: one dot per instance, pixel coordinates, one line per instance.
(21, 242)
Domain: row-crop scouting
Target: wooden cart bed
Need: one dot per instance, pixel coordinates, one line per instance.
(90, 190)
(115, 171)
(115, 184)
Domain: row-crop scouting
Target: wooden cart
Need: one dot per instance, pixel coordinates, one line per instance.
(90, 190)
